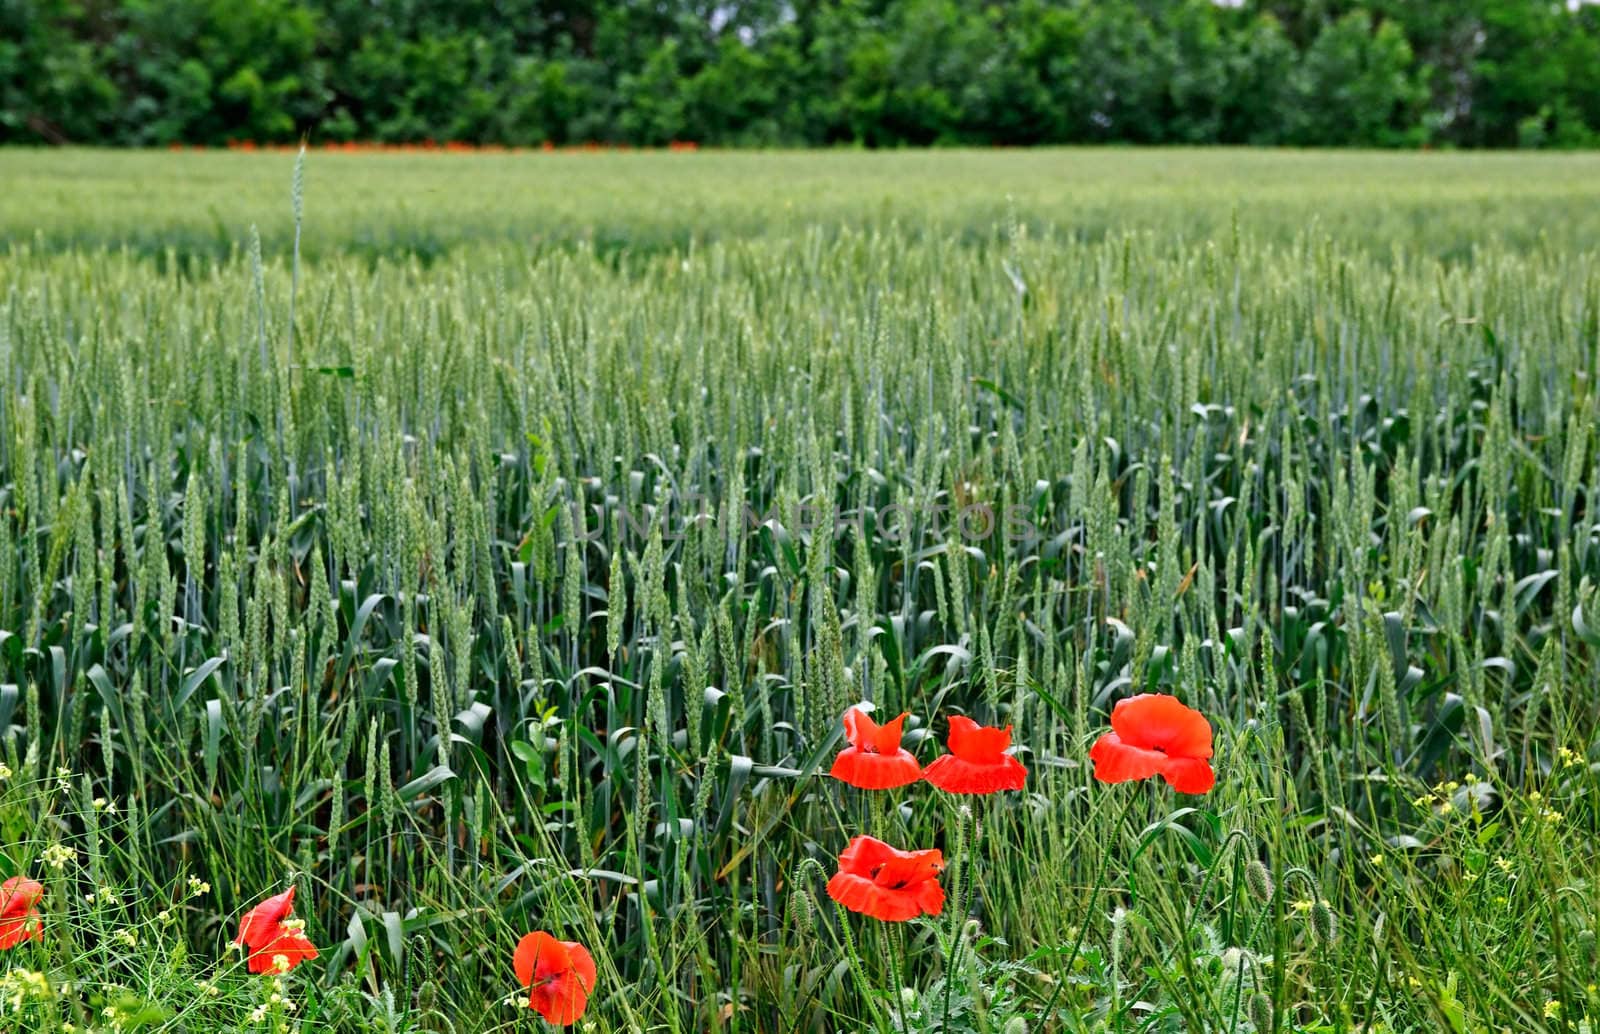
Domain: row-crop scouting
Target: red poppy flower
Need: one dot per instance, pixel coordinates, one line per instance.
(874, 760)
(276, 942)
(1154, 734)
(977, 762)
(558, 975)
(19, 918)
(886, 883)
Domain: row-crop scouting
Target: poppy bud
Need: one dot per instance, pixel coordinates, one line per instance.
(1237, 964)
(1258, 880)
(802, 912)
(1016, 1025)
(1323, 922)
(1261, 1012)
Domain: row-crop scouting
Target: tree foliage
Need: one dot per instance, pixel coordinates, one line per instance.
(775, 72)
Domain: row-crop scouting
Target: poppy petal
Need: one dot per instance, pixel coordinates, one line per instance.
(1189, 775)
(858, 727)
(582, 964)
(868, 771)
(863, 855)
(865, 734)
(886, 738)
(852, 891)
(976, 742)
(880, 881)
(930, 897)
(559, 976)
(1117, 762)
(16, 929)
(292, 948)
(561, 1002)
(909, 867)
(261, 925)
(859, 894)
(954, 774)
(19, 894)
(255, 935)
(1159, 721)
(537, 952)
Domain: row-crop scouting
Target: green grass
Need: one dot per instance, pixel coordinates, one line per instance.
(1309, 440)
(202, 205)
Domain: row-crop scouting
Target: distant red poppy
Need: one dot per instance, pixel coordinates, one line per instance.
(276, 942)
(19, 916)
(977, 762)
(886, 883)
(1154, 734)
(558, 975)
(874, 760)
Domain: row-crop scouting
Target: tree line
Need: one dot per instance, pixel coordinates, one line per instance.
(879, 73)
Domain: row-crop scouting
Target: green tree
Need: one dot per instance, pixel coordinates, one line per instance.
(207, 70)
(1359, 86)
(55, 85)
(1124, 70)
(1519, 78)
(873, 72)
(1262, 105)
(1198, 77)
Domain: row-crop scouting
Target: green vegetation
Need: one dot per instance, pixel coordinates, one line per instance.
(196, 206)
(469, 574)
(1376, 73)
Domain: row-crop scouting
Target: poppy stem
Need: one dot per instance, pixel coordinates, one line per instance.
(1088, 910)
(854, 959)
(895, 947)
(960, 878)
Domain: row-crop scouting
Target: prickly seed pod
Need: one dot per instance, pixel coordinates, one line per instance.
(1323, 922)
(1258, 880)
(1261, 1012)
(802, 912)
(1015, 1025)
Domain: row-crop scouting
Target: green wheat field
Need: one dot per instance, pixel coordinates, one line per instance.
(488, 544)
